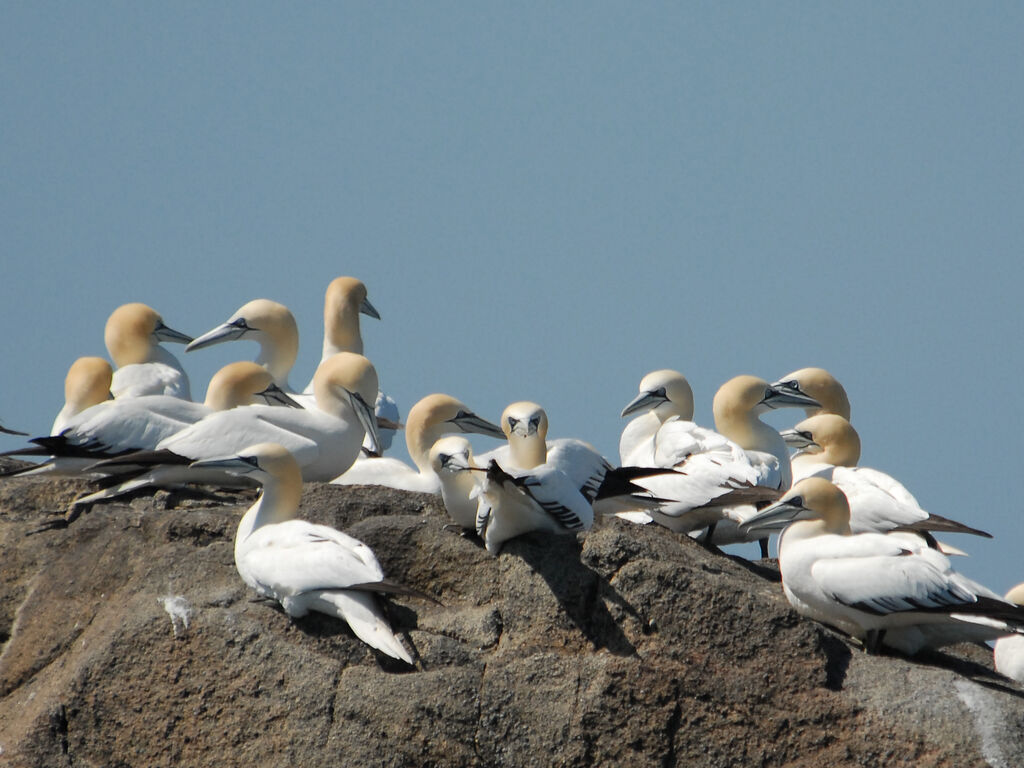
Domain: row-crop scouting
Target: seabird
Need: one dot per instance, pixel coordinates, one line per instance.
(133, 334)
(86, 384)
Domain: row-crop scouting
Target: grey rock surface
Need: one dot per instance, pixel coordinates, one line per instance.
(129, 640)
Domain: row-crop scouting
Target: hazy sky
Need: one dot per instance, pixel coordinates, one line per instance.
(546, 201)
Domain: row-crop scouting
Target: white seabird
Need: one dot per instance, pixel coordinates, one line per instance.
(133, 334)
(828, 446)
(86, 384)
(1009, 651)
(324, 441)
(878, 588)
(430, 419)
(303, 566)
(822, 386)
(450, 458)
(114, 428)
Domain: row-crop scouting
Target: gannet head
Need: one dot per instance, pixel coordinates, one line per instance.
(524, 420)
(813, 498)
(270, 324)
(828, 435)
(746, 395)
(244, 383)
(348, 379)
(665, 392)
(344, 301)
(823, 387)
(451, 455)
(264, 462)
(436, 415)
(133, 330)
(1016, 595)
(87, 383)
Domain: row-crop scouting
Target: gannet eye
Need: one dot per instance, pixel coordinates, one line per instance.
(445, 458)
(535, 422)
(768, 392)
(240, 324)
(796, 501)
(512, 422)
(253, 460)
(806, 435)
(660, 392)
(792, 384)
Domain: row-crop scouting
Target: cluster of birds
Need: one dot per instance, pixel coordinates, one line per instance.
(856, 550)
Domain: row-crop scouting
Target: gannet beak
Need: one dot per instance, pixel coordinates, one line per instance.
(223, 332)
(782, 394)
(368, 309)
(800, 441)
(366, 416)
(163, 333)
(235, 465)
(645, 401)
(778, 516)
(468, 421)
(274, 395)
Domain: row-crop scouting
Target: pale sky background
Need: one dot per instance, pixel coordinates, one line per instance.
(546, 201)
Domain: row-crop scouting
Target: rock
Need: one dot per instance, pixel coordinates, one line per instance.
(129, 640)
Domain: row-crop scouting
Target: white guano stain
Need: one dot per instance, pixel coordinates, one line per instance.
(178, 609)
(987, 718)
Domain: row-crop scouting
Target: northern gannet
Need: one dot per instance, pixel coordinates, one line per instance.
(828, 446)
(451, 457)
(269, 324)
(664, 394)
(324, 441)
(720, 473)
(878, 588)
(430, 419)
(822, 386)
(86, 384)
(303, 566)
(1009, 651)
(133, 334)
(114, 428)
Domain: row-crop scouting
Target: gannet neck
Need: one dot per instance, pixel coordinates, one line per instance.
(342, 303)
(129, 334)
(525, 425)
(839, 441)
(273, 327)
(236, 384)
(87, 383)
(823, 387)
(281, 478)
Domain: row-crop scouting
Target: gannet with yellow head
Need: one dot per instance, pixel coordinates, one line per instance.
(133, 334)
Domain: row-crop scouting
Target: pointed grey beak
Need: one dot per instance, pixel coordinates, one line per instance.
(468, 421)
(235, 465)
(645, 401)
(801, 442)
(366, 416)
(368, 309)
(274, 395)
(784, 395)
(223, 332)
(163, 333)
(777, 516)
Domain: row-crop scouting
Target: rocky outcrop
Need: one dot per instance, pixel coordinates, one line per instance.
(129, 640)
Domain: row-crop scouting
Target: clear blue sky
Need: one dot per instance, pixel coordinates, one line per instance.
(546, 201)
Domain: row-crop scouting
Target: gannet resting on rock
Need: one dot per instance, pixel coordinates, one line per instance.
(721, 473)
(87, 384)
(878, 588)
(664, 394)
(306, 567)
(429, 420)
(133, 334)
(822, 386)
(450, 458)
(828, 446)
(324, 441)
(1009, 651)
(115, 428)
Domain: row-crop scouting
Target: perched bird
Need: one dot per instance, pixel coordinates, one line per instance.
(882, 590)
(306, 567)
(430, 419)
(828, 446)
(86, 384)
(450, 458)
(324, 441)
(665, 395)
(819, 384)
(1009, 651)
(114, 428)
(720, 474)
(133, 334)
